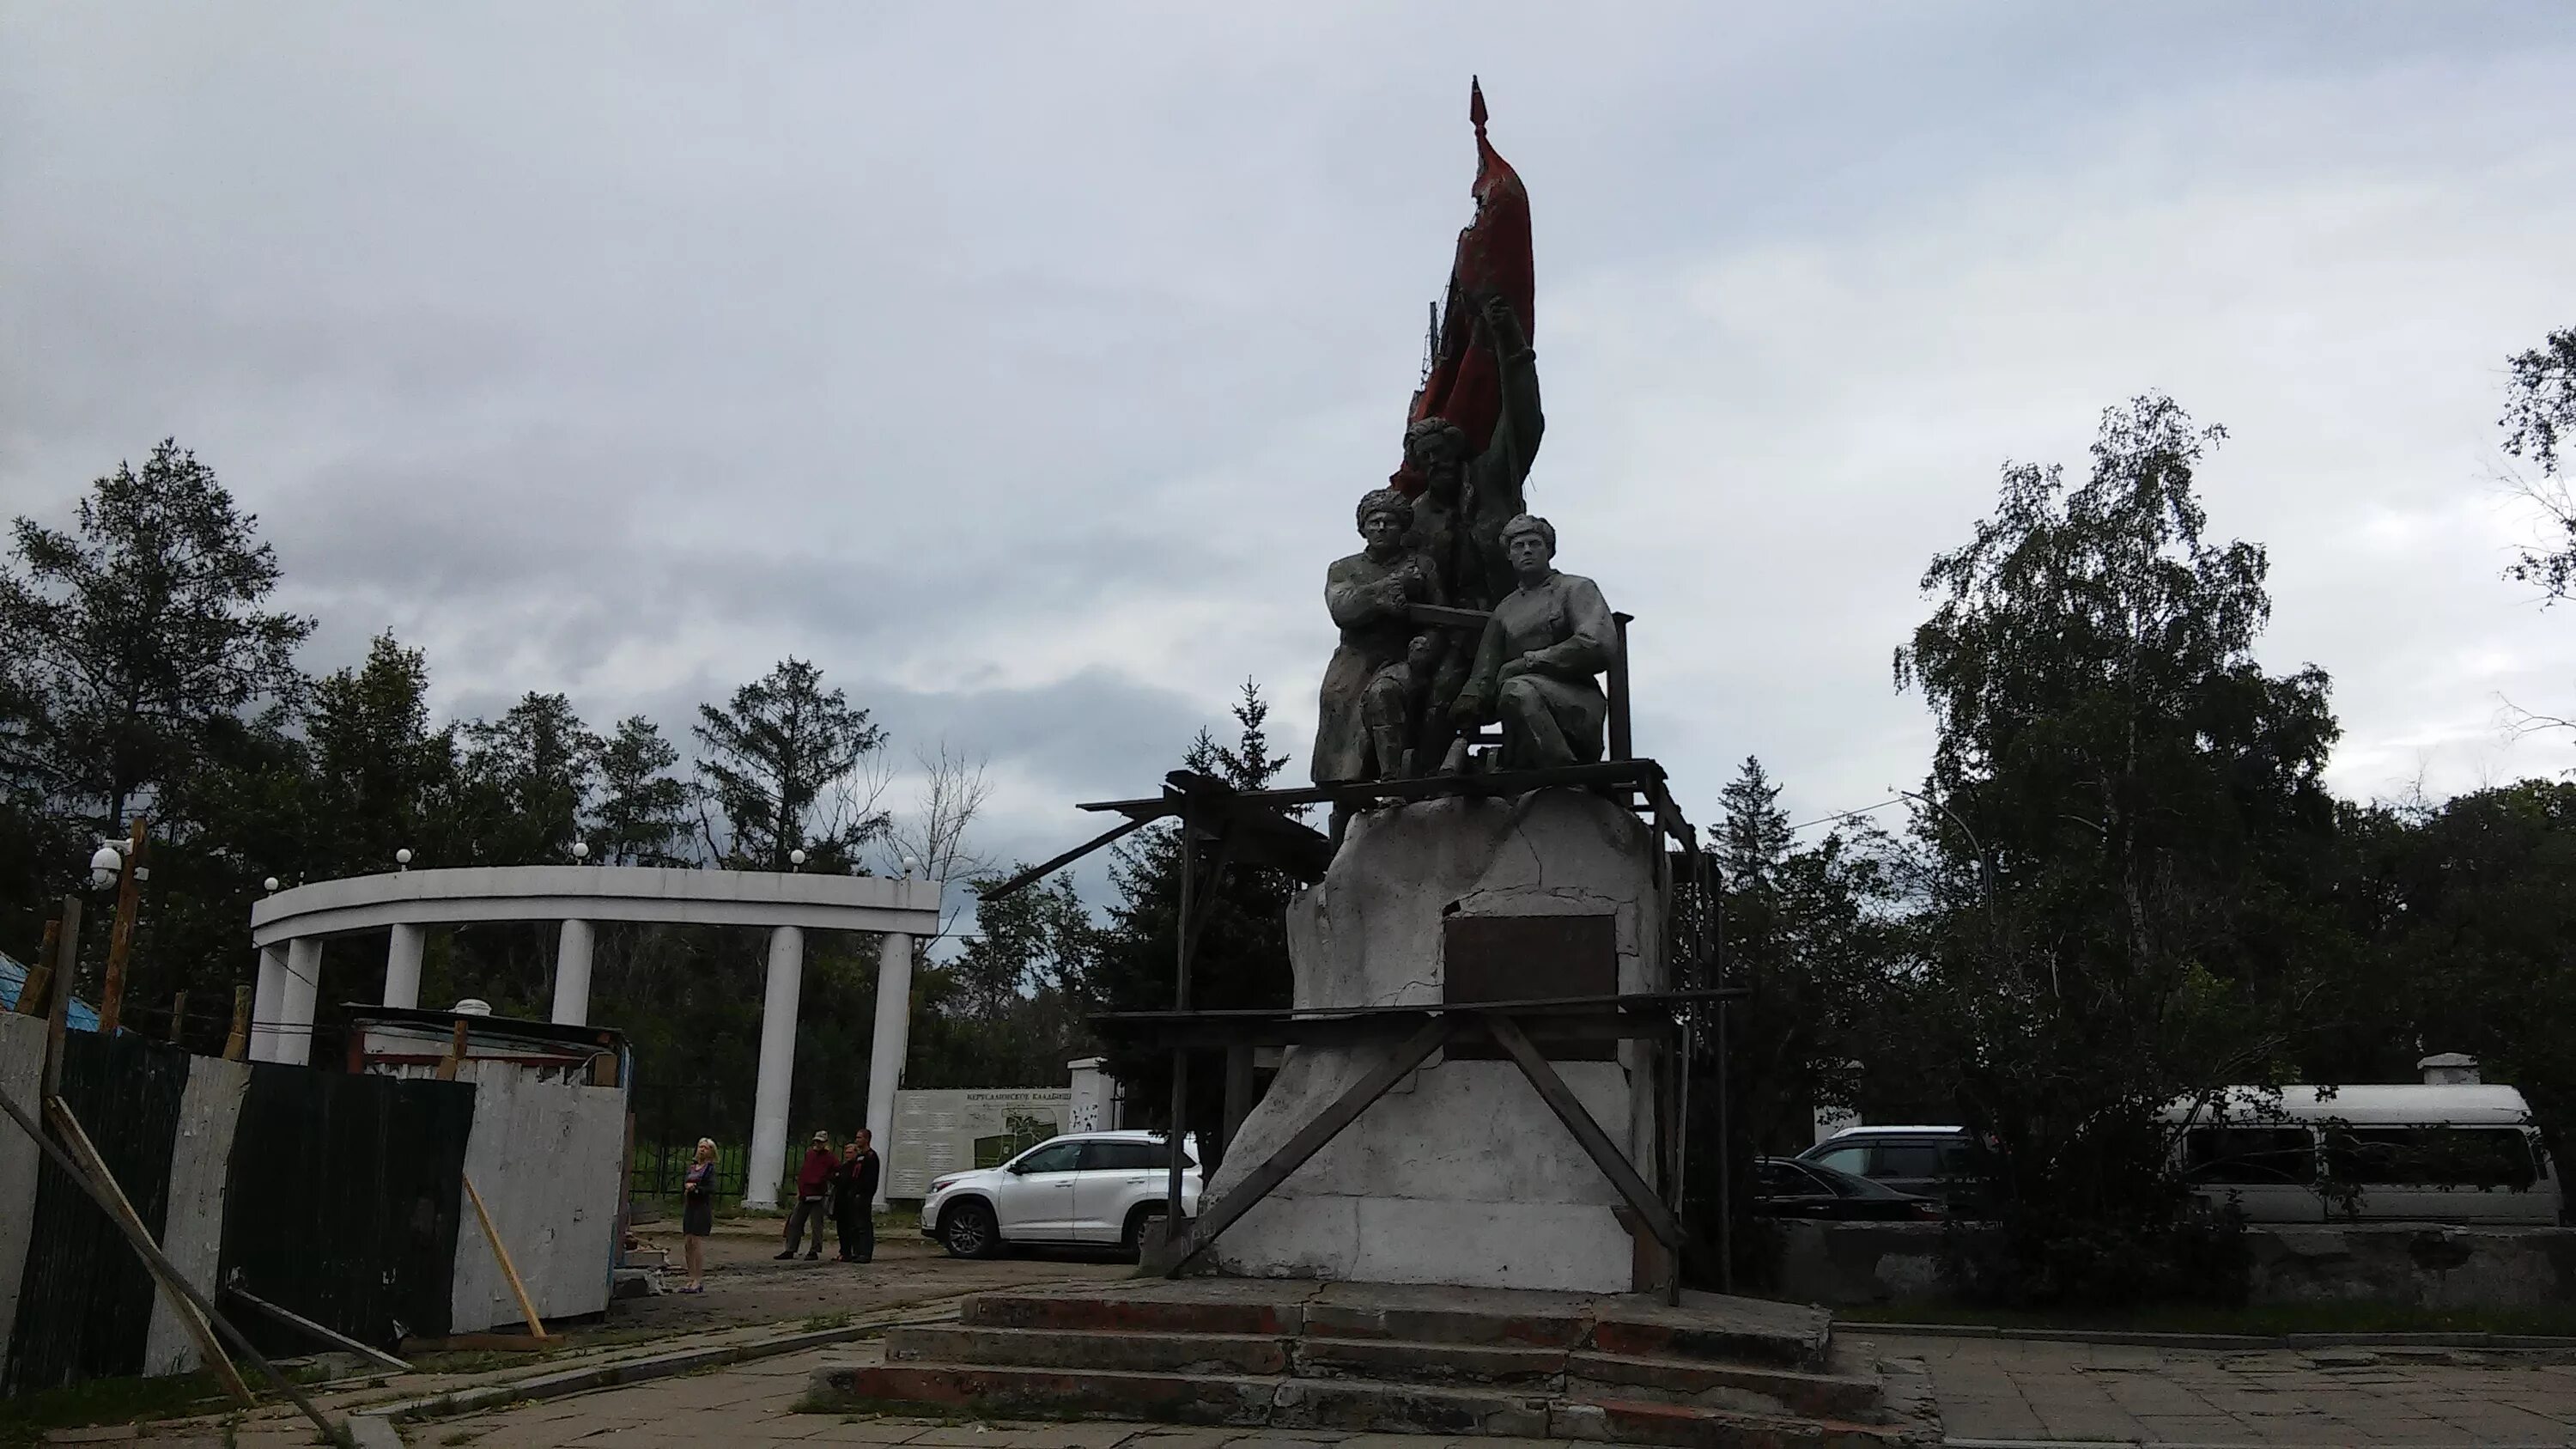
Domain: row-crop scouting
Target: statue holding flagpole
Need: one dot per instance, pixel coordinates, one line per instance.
(1470, 435)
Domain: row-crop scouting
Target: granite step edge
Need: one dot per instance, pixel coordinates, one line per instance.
(1242, 1401)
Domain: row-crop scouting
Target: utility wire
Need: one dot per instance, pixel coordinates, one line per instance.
(1846, 814)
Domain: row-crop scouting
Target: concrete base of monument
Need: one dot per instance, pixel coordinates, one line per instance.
(1460, 1175)
(1337, 1358)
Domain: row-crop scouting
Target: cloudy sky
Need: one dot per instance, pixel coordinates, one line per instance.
(1020, 363)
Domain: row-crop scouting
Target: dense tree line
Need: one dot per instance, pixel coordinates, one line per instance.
(144, 672)
(2124, 882)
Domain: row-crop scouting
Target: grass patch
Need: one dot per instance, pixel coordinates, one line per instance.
(2265, 1321)
(822, 1321)
(27, 1418)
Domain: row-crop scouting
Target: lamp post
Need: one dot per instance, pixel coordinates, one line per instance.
(1985, 866)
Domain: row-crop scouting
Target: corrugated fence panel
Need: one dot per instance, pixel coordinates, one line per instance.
(200, 1167)
(342, 1200)
(22, 1067)
(84, 1298)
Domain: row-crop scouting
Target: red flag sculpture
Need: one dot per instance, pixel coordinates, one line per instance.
(1464, 385)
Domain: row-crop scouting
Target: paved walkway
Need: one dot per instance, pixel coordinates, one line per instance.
(1992, 1392)
(1998, 1390)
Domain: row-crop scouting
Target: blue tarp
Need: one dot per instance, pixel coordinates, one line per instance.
(13, 978)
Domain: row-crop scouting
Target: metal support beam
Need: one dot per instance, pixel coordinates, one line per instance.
(1569, 1109)
(1725, 1161)
(1037, 873)
(1310, 1139)
(1238, 1095)
(1365, 793)
(1623, 741)
(302, 1324)
(1187, 933)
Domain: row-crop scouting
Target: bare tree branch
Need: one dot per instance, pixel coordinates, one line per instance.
(934, 833)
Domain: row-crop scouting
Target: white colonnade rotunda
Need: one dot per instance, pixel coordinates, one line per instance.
(289, 927)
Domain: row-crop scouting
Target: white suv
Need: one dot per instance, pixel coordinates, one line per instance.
(1084, 1187)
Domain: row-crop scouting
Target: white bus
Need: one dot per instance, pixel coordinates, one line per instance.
(2450, 1154)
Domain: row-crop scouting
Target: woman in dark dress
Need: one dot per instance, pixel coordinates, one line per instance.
(698, 1213)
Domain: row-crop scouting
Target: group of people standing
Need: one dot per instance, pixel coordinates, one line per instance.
(844, 1186)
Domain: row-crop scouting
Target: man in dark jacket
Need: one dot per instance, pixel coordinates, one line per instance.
(813, 1180)
(854, 1199)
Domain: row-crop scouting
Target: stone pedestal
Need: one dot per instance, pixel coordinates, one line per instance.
(1459, 1175)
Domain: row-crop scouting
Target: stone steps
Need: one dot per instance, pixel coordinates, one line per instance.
(1703, 1326)
(1127, 1350)
(1752, 1387)
(1340, 1405)
(1396, 1358)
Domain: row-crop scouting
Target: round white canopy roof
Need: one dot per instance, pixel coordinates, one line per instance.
(596, 893)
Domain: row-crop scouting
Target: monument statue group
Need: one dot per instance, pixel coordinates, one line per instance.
(1465, 684)
(1458, 1205)
(1483, 1066)
(1453, 614)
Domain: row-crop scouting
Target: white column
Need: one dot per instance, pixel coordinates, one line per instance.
(777, 1066)
(572, 982)
(402, 967)
(885, 1055)
(295, 1003)
(266, 1000)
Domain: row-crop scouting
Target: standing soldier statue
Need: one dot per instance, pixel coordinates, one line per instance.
(1375, 687)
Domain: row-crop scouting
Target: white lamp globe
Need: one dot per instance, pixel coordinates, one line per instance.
(403, 856)
(269, 884)
(796, 857)
(581, 850)
(911, 866)
(105, 866)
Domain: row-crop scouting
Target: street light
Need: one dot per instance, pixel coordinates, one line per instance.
(911, 866)
(796, 858)
(105, 865)
(269, 884)
(1985, 863)
(580, 850)
(402, 858)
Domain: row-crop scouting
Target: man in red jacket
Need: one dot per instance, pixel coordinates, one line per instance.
(813, 1180)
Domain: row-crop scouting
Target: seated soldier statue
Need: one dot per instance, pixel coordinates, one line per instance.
(1535, 666)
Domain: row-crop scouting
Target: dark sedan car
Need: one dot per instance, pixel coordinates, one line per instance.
(1787, 1188)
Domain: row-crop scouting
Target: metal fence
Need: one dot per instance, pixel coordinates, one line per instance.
(669, 1120)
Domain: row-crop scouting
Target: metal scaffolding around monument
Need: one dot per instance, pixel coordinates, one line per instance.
(1255, 828)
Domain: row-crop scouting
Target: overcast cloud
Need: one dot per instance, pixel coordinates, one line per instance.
(1020, 364)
